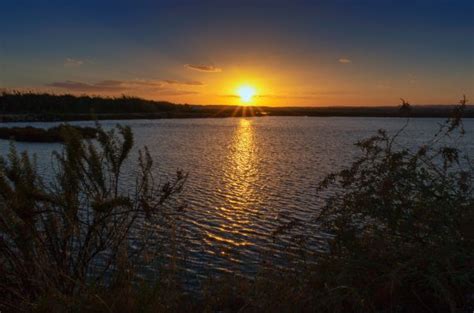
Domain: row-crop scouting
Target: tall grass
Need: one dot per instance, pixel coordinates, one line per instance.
(401, 227)
(64, 238)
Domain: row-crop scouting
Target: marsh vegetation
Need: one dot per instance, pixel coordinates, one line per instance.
(397, 228)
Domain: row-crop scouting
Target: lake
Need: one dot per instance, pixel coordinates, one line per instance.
(247, 176)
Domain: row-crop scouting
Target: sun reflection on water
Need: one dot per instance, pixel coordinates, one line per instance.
(239, 179)
(242, 166)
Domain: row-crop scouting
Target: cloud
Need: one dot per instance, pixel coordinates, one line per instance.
(177, 92)
(412, 79)
(163, 87)
(345, 61)
(188, 83)
(78, 86)
(383, 86)
(73, 62)
(203, 68)
(159, 83)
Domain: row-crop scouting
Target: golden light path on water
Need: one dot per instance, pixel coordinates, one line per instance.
(247, 177)
(239, 181)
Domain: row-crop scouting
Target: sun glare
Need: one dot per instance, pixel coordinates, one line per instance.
(246, 93)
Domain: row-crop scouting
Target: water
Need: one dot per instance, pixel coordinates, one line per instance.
(247, 176)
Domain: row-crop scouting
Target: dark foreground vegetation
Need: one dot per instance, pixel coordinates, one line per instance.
(16, 107)
(53, 134)
(399, 235)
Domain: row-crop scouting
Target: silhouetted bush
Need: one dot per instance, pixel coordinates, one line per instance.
(61, 241)
(405, 108)
(401, 227)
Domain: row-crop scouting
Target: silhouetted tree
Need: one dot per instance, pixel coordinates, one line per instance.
(405, 108)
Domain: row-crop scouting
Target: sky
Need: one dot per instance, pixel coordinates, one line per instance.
(292, 53)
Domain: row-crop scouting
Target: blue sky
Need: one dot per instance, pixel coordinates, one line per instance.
(292, 52)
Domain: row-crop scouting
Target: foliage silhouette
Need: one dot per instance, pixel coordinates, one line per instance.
(401, 226)
(81, 229)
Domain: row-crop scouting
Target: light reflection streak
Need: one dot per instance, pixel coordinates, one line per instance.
(239, 178)
(241, 171)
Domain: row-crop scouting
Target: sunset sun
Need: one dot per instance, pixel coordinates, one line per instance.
(246, 93)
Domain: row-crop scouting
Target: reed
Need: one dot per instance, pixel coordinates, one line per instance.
(64, 239)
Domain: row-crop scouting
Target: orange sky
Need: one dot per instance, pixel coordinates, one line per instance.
(293, 53)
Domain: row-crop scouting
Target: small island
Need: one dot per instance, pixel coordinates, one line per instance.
(53, 134)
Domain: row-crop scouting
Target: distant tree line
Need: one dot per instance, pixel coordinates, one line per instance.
(18, 106)
(34, 103)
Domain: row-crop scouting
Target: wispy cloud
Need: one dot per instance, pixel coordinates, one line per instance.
(162, 87)
(177, 92)
(384, 86)
(106, 86)
(345, 61)
(203, 68)
(188, 83)
(69, 62)
(412, 79)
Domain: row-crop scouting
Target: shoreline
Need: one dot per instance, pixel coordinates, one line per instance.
(21, 118)
(31, 107)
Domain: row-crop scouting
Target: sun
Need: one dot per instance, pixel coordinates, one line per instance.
(246, 93)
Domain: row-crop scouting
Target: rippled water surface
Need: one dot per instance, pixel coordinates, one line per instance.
(249, 175)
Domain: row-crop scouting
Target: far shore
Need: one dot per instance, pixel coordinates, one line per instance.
(32, 107)
(228, 111)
